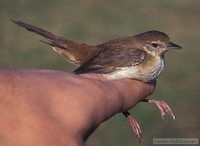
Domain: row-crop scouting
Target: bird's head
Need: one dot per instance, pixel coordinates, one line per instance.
(155, 42)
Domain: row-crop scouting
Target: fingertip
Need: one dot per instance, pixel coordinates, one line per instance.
(133, 91)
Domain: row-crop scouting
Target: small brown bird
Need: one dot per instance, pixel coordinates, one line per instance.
(138, 57)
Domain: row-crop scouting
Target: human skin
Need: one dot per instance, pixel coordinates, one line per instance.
(54, 108)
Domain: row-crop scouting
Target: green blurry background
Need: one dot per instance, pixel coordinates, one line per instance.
(95, 21)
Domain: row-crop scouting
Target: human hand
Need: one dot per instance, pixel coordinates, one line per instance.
(42, 107)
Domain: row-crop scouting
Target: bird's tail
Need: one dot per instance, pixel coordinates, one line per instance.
(73, 51)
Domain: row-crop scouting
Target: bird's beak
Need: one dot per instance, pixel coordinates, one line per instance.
(173, 46)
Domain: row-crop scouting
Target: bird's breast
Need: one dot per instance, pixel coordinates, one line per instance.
(147, 71)
(151, 69)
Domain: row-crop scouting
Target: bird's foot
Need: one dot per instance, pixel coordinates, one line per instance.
(134, 125)
(163, 107)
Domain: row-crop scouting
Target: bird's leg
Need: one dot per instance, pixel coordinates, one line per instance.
(134, 125)
(162, 106)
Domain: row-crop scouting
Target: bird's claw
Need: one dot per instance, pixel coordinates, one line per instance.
(163, 107)
(135, 127)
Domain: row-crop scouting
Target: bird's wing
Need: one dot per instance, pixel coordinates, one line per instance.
(73, 51)
(111, 59)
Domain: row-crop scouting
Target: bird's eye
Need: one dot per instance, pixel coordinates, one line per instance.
(154, 45)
